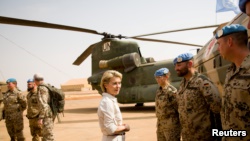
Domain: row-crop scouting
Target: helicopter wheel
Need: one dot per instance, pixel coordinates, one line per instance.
(139, 104)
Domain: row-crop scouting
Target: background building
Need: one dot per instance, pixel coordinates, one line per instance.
(79, 84)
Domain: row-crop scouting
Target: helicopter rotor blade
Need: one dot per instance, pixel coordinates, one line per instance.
(84, 55)
(164, 41)
(15, 21)
(88, 51)
(178, 30)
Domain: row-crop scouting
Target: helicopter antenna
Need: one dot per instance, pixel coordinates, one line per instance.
(40, 59)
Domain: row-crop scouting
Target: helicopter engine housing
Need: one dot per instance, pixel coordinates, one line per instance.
(127, 61)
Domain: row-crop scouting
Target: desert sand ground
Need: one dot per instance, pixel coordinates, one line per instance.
(80, 121)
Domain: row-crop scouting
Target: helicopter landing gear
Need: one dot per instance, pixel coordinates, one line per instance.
(139, 104)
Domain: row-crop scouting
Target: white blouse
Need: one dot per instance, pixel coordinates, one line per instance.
(109, 114)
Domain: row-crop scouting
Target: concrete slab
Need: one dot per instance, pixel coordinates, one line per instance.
(80, 121)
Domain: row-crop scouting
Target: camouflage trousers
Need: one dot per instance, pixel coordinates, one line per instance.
(15, 128)
(167, 132)
(47, 129)
(35, 129)
(167, 135)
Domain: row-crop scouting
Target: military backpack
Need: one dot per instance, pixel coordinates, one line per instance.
(57, 99)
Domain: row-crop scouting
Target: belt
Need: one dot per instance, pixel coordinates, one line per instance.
(123, 133)
(32, 117)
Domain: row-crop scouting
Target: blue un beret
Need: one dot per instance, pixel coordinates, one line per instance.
(229, 29)
(30, 80)
(183, 57)
(242, 5)
(161, 72)
(11, 80)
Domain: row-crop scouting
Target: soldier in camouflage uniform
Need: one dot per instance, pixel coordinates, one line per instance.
(1, 106)
(1, 103)
(196, 97)
(14, 105)
(232, 45)
(45, 112)
(244, 6)
(33, 111)
(168, 125)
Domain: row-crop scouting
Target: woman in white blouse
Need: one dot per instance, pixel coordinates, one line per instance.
(109, 114)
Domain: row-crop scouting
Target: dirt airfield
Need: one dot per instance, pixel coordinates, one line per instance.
(80, 121)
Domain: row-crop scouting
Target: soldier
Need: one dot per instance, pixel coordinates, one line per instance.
(45, 117)
(232, 45)
(14, 105)
(196, 98)
(33, 111)
(245, 8)
(168, 125)
(1, 103)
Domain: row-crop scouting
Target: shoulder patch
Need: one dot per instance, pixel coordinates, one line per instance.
(42, 89)
(203, 77)
(173, 88)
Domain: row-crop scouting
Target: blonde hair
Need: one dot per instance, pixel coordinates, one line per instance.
(168, 75)
(107, 76)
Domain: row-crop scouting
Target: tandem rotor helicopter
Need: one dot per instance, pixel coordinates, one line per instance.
(138, 84)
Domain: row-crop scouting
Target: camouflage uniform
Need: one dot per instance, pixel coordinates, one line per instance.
(1, 105)
(14, 105)
(196, 98)
(235, 112)
(168, 125)
(32, 115)
(45, 113)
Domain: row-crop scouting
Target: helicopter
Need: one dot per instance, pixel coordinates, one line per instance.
(208, 60)
(138, 84)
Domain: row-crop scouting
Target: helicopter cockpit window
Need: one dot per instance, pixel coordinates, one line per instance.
(106, 46)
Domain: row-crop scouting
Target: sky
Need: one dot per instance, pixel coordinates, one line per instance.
(25, 51)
